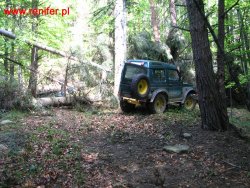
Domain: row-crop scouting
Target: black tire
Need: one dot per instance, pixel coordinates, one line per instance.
(189, 103)
(140, 86)
(126, 107)
(159, 104)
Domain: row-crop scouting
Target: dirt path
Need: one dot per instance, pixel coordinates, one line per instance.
(110, 149)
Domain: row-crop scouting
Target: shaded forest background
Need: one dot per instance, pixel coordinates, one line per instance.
(157, 30)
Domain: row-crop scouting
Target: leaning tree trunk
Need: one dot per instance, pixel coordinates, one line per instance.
(120, 41)
(209, 97)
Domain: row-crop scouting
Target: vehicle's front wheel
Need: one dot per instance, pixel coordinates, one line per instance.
(126, 107)
(159, 104)
(189, 103)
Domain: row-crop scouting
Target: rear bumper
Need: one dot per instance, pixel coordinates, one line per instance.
(133, 101)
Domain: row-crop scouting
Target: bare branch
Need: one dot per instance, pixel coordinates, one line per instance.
(235, 4)
(180, 5)
(183, 29)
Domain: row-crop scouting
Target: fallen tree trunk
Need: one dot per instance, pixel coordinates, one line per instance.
(59, 101)
(52, 101)
(52, 50)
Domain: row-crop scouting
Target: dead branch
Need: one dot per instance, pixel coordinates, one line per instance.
(181, 28)
(231, 164)
(52, 50)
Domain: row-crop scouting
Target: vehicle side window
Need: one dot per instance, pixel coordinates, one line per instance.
(173, 75)
(159, 75)
(133, 70)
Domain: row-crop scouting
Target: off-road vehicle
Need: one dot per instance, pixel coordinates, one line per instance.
(153, 84)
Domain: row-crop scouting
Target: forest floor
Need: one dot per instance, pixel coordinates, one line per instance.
(105, 148)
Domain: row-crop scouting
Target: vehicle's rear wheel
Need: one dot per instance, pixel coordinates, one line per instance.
(126, 107)
(159, 104)
(140, 86)
(189, 103)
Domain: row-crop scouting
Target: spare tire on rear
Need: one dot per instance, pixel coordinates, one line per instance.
(140, 86)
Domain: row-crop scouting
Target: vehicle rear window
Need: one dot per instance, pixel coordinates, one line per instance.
(132, 70)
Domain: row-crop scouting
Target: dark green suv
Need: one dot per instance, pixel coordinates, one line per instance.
(154, 84)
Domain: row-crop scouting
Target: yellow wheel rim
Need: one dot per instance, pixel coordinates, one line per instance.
(189, 103)
(142, 87)
(160, 104)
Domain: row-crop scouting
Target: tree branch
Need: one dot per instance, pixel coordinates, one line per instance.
(181, 28)
(11, 60)
(235, 4)
(180, 5)
(189, 44)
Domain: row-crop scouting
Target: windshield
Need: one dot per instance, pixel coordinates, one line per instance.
(131, 70)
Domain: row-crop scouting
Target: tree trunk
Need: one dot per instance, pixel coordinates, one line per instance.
(12, 66)
(20, 78)
(220, 55)
(66, 79)
(33, 73)
(154, 22)
(172, 12)
(221, 60)
(210, 104)
(34, 54)
(244, 42)
(6, 60)
(120, 41)
(172, 33)
(6, 51)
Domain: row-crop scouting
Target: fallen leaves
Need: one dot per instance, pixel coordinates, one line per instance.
(72, 149)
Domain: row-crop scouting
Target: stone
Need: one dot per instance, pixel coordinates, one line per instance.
(187, 135)
(5, 122)
(177, 148)
(3, 149)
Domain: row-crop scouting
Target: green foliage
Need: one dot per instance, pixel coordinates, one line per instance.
(142, 47)
(12, 97)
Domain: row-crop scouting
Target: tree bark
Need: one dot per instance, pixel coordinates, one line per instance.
(172, 33)
(220, 55)
(34, 54)
(12, 66)
(244, 41)
(6, 60)
(33, 73)
(6, 51)
(154, 22)
(120, 41)
(221, 60)
(173, 12)
(210, 104)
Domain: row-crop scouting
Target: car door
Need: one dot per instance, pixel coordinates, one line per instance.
(158, 77)
(174, 85)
